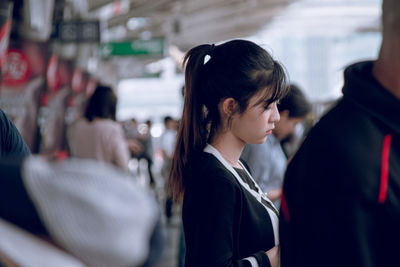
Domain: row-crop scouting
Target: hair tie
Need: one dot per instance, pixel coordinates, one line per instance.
(212, 48)
(209, 54)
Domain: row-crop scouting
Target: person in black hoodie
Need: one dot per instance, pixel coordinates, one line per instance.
(341, 193)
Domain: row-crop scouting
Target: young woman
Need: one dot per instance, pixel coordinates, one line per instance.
(230, 100)
(98, 136)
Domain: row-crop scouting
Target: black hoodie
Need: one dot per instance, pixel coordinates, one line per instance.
(341, 193)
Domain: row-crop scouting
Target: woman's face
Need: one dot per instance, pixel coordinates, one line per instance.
(256, 122)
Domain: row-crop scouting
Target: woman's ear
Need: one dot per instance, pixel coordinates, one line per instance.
(229, 106)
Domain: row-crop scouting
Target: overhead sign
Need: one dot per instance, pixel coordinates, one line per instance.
(76, 31)
(138, 47)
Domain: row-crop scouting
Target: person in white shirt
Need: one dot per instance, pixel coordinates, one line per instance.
(168, 138)
(168, 141)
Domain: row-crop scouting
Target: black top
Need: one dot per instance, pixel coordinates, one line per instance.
(342, 188)
(245, 178)
(16, 206)
(223, 223)
(11, 142)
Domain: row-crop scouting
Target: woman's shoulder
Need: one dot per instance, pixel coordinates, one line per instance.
(207, 161)
(108, 124)
(210, 170)
(78, 125)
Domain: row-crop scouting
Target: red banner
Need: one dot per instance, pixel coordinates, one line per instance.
(21, 86)
(4, 38)
(52, 77)
(78, 83)
(16, 69)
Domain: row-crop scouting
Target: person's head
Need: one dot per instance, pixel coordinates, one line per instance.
(391, 19)
(169, 122)
(293, 109)
(102, 104)
(386, 67)
(222, 84)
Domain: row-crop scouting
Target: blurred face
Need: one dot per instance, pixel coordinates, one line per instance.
(286, 125)
(171, 124)
(256, 123)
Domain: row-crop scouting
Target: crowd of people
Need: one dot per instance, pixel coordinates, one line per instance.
(246, 200)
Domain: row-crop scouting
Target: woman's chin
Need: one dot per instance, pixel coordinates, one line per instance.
(259, 141)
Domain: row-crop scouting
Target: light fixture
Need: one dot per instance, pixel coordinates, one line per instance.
(137, 23)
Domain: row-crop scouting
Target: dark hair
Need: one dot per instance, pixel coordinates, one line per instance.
(239, 69)
(102, 104)
(295, 102)
(167, 119)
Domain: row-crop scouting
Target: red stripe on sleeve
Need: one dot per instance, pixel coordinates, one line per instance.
(384, 168)
(284, 207)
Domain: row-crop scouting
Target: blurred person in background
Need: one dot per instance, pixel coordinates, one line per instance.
(98, 136)
(132, 136)
(167, 143)
(11, 142)
(231, 92)
(268, 161)
(148, 152)
(341, 192)
(141, 145)
(131, 128)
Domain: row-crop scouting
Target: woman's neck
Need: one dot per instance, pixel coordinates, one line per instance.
(229, 146)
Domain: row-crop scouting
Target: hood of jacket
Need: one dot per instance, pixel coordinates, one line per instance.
(362, 89)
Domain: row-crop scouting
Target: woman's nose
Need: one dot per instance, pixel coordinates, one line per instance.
(275, 117)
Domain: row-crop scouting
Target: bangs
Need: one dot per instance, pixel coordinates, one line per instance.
(272, 85)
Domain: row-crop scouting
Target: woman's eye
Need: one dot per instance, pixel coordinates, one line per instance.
(268, 107)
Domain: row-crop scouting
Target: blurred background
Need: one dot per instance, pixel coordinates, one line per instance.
(53, 53)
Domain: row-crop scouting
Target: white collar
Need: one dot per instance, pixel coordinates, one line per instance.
(258, 195)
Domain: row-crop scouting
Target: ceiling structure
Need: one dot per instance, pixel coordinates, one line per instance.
(181, 23)
(329, 17)
(186, 23)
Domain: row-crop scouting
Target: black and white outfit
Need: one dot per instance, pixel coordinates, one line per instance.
(341, 193)
(267, 162)
(227, 219)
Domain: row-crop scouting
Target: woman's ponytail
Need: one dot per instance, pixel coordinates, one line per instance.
(193, 133)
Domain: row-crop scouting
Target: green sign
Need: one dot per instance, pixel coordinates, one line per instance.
(152, 47)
